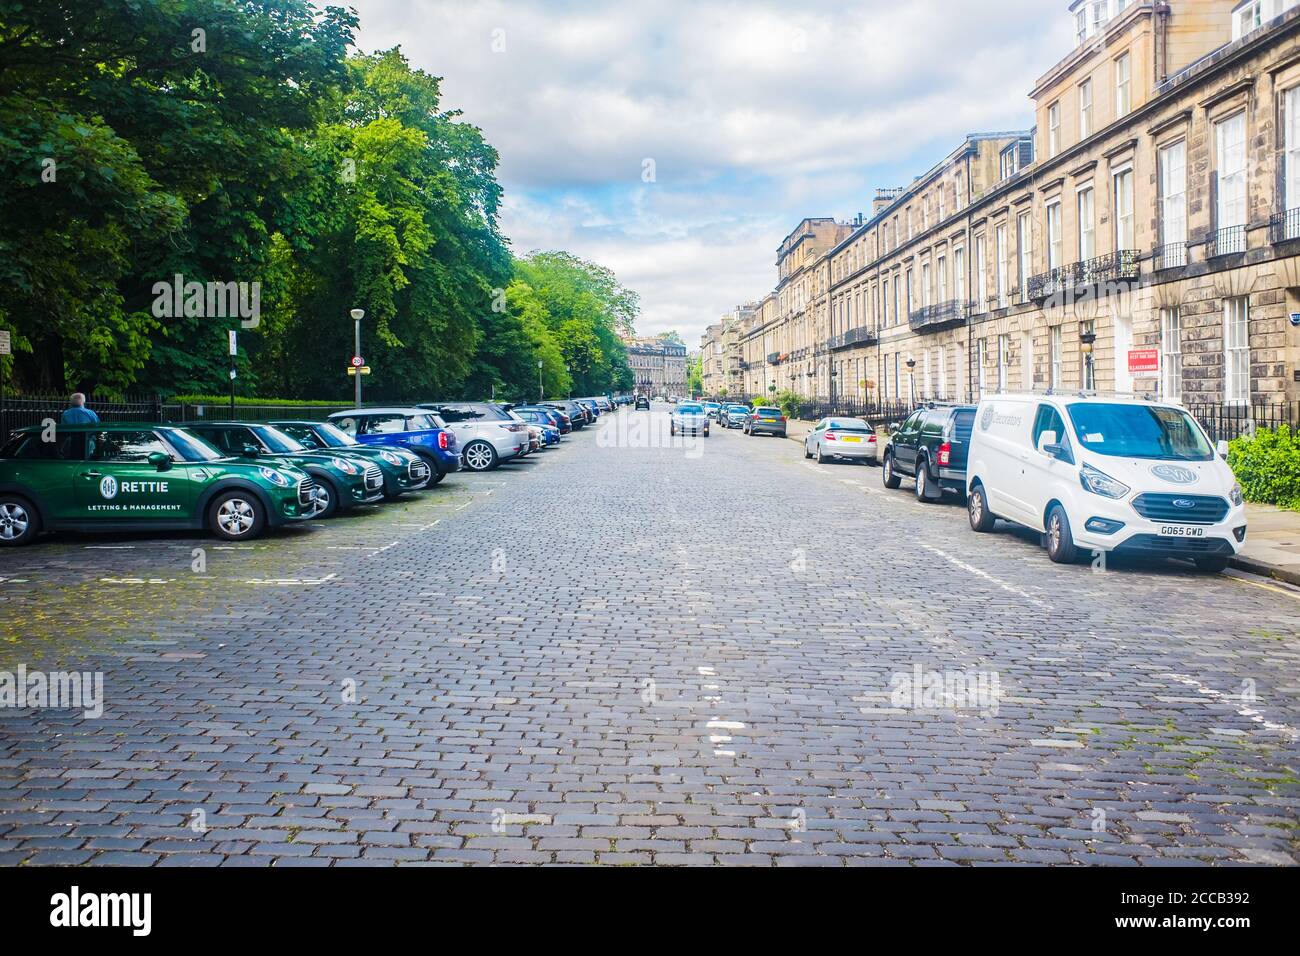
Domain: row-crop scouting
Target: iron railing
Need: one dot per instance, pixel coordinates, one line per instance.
(1227, 241)
(1227, 422)
(1172, 255)
(37, 409)
(1285, 225)
(932, 318)
(878, 413)
(1121, 266)
(851, 338)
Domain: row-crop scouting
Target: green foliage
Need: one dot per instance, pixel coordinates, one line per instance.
(791, 403)
(1268, 466)
(694, 373)
(247, 400)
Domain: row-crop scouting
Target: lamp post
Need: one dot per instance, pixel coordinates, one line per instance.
(1086, 339)
(834, 375)
(357, 316)
(911, 378)
(541, 389)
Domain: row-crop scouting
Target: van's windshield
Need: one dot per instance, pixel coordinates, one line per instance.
(1139, 431)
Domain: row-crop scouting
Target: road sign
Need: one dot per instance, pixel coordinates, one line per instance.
(1143, 360)
(4, 343)
(364, 370)
(358, 361)
(234, 350)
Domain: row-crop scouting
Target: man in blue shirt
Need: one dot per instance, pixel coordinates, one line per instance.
(79, 414)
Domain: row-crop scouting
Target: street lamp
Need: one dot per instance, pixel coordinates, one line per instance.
(541, 389)
(834, 375)
(357, 316)
(1086, 338)
(911, 377)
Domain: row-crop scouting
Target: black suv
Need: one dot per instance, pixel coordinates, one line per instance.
(932, 446)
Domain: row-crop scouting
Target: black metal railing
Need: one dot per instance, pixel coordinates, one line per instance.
(1285, 225)
(851, 338)
(37, 409)
(1121, 266)
(1172, 255)
(1227, 422)
(876, 412)
(932, 318)
(1227, 241)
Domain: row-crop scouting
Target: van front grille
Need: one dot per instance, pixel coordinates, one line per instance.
(1188, 509)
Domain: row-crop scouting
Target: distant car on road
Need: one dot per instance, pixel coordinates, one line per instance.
(642, 403)
(712, 409)
(845, 439)
(766, 420)
(931, 445)
(689, 418)
(733, 416)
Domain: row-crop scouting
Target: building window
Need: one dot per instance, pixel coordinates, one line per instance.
(959, 274)
(941, 390)
(1123, 86)
(1010, 160)
(1023, 245)
(1085, 109)
(1171, 354)
(943, 202)
(1173, 205)
(1230, 141)
(1056, 355)
(1004, 352)
(1248, 17)
(1053, 129)
(982, 354)
(1124, 238)
(1291, 131)
(941, 265)
(1054, 243)
(981, 283)
(925, 284)
(1236, 351)
(1089, 370)
(1002, 266)
(1087, 224)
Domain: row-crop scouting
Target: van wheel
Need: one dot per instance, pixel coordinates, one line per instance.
(19, 522)
(977, 509)
(236, 516)
(1060, 543)
(922, 481)
(1212, 563)
(887, 475)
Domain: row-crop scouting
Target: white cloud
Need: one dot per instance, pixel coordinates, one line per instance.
(756, 114)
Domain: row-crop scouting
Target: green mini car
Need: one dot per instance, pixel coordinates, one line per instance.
(343, 480)
(403, 470)
(131, 477)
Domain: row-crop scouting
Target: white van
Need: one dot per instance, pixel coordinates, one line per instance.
(1104, 474)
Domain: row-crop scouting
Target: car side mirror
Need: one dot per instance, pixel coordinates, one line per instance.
(1222, 448)
(1046, 439)
(250, 451)
(160, 460)
(893, 427)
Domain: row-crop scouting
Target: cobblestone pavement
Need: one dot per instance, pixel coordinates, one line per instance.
(627, 655)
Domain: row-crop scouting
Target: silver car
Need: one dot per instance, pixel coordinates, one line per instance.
(733, 416)
(842, 439)
(689, 418)
(486, 432)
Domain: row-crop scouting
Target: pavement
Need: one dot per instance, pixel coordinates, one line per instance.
(637, 651)
(1272, 542)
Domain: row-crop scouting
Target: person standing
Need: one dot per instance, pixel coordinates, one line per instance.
(78, 413)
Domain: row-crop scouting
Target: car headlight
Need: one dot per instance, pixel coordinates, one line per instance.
(276, 478)
(344, 466)
(389, 457)
(1236, 495)
(1100, 483)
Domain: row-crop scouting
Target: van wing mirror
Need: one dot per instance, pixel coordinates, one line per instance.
(1046, 439)
(1222, 448)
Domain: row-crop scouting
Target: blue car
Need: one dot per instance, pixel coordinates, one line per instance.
(415, 429)
(546, 418)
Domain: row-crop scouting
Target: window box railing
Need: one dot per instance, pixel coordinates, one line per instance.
(1227, 241)
(1285, 225)
(1172, 255)
(944, 315)
(1119, 266)
(851, 339)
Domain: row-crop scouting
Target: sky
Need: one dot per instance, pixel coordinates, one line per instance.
(678, 142)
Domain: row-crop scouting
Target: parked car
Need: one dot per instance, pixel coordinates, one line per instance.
(591, 406)
(579, 415)
(765, 420)
(550, 417)
(931, 446)
(689, 418)
(404, 471)
(413, 429)
(642, 403)
(129, 477)
(733, 416)
(1105, 474)
(712, 409)
(485, 431)
(844, 439)
(344, 480)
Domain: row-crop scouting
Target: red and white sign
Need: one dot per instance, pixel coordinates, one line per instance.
(1143, 360)
(358, 361)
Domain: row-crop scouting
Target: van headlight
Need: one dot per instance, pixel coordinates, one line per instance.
(1100, 483)
(389, 457)
(344, 466)
(1236, 495)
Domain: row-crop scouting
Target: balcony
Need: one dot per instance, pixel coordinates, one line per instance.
(1172, 255)
(773, 358)
(851, 339)
(944, 315)
(1227, 241)
(1285, 226)
(1122, 266)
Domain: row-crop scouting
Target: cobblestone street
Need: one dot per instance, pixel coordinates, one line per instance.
(627, 654)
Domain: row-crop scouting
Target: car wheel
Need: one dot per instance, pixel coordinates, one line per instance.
(1212, 563)
(977, 509)
(821, 457)
(436, 477)
(1060, 543)
(236, 516)
(480, 456)
(806, 452)
(19, 522)
(922, 481)
(887, 475)
(327, 498)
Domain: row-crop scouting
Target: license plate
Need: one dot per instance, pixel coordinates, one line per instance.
(767, 419)
(1181, 531)
(852, 441)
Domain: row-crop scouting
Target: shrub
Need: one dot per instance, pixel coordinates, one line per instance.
(243, 400)
(1268, 466)
(791, 403)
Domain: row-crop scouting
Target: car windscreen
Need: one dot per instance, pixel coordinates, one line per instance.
(333, 436)
(1139, 431)
(768, 412)
(737, 410)
(190, 446)
(690, 409)
(276, 440)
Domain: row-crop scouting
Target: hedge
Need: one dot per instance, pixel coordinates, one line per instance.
(241, 400)
(1268, 466)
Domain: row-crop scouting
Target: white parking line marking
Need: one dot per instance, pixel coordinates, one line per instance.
(971, 569)
(1249, 713)
(725, 725)
(282, 582)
